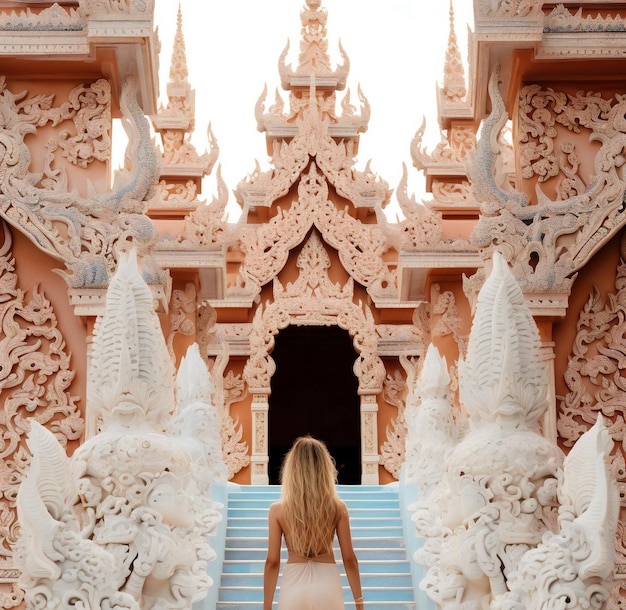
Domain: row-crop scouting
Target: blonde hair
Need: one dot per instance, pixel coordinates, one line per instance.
(310, 502)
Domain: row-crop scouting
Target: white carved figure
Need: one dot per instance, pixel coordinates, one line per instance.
(197, 421)
(491, 526)
(498, 493)
(431, 429)
(128, 502)
(571, 569)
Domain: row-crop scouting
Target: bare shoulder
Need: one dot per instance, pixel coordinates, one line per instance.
(342, 510)
(276, 510)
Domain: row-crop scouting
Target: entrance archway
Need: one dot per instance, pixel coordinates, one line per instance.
(314, 391)
(314, 300)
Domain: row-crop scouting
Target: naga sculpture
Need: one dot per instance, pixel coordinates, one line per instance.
(123, 524)
(509, 527)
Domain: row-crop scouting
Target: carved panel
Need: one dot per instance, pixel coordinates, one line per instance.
(182, 314)
(35, 377)
(596, 382)
(548, 242)
(393, 450)
(314, 300)
(86, 234)
(229, 388)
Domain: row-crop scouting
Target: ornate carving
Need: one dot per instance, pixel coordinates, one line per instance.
(35, 378)
(594, 379)
(104, 8)
(230, 388)
(550, 241)
(124, 523)
(51, 18)
(498, 490)
(313, 57)
(314, 299)
(86, 234)
(392, 453)
(360, 246)
(451, 193)
(208, 225)
(508, 8)
(444, 305)
(562, 20)
(182, 314)
(422, 228)
(577, 563)
(454, 90)
(455, 149)
(182, 196)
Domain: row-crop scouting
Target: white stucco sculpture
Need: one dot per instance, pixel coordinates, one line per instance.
(122, 524)
(573, 568)
(497, 507)
(431, 428)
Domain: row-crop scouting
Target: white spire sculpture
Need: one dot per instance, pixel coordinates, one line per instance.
(491, 525)
(197, 421)
(431, 429)
(123, 523)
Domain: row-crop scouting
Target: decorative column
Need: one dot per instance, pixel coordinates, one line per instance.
(260, 454)
(546, 355)
(369, 440)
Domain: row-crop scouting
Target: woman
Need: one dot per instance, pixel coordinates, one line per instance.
(308, 516)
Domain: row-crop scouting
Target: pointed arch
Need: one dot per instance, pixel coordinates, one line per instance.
(314, 300)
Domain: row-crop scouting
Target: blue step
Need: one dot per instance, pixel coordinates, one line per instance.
(375, 521)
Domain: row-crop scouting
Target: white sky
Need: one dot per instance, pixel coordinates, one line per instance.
(396, 50)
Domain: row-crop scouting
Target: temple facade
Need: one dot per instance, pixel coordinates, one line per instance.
(313, 312)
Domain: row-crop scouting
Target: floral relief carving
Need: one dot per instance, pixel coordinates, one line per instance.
(174, 195)
(453, 192)
(96, 8)
(229, 388)
(444, 305)
(360, 246)
(234, 451)
(540, 110)
(51, 18)
(392, 451)
(548, 242)
(182, 314)
(86, 234)
(91, 109)
(453, 149)
(595, 380)
(313, 300)
(35, 377)
(508, 8)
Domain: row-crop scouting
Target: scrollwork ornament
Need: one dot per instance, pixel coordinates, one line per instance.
(36, 378)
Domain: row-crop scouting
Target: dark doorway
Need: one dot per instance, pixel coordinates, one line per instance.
(314, 391)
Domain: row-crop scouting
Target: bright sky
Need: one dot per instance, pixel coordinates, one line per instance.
(396, 50)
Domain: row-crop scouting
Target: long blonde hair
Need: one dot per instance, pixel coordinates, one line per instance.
(310, 502)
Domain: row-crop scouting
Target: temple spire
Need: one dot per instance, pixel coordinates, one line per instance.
(182, 167)
(454, 89)
(314, 58)
(178, 68)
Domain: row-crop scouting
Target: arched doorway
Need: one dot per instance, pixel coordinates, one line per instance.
(314, 391)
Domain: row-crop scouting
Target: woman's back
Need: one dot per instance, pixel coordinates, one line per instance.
(308, 517)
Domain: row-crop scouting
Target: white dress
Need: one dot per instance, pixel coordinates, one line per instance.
(311, 585)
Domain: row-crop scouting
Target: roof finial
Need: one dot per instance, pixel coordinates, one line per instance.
(178, 68)
(454, 88)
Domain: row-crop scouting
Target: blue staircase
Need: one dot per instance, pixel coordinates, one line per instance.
(376, 533)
